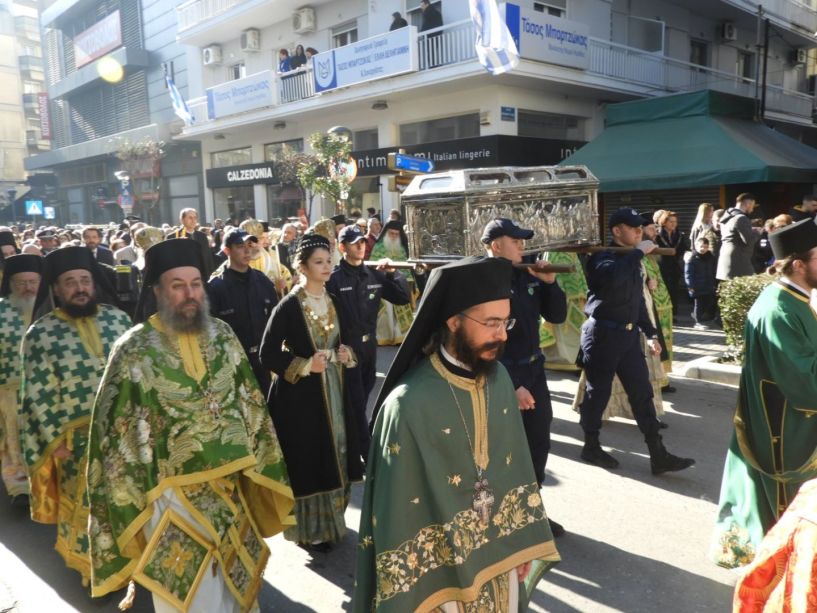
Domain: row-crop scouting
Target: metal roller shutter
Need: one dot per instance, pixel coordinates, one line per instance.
(683, 201)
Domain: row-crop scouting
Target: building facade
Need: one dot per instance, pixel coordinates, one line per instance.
(105, 65)
(426, 92)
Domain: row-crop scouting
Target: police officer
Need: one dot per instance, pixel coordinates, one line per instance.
(244, 298)
(610, 343)
(359, 290)
(533, 294)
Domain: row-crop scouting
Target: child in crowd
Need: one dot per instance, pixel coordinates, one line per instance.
(699, 274)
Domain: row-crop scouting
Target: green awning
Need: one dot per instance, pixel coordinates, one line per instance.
(692, 140)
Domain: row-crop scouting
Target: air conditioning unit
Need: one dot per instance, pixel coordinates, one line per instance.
(799, 56)
(729, 31)
(211, 55)
(251, 40)
(303, 20)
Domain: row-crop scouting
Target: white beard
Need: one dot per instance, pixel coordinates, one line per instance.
(392, 245)
(24, 306)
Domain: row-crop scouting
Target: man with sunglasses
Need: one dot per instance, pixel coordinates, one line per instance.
(533, 295)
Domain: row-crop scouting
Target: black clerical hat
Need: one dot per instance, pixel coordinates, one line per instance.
(170, 254)
(20, 263)
(7, 238)
(68, 258)
(451, 289)
(799, 237)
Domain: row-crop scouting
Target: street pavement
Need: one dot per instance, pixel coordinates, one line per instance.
(635, 542)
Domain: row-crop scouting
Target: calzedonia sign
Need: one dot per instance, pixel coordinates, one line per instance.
(476, 152)
(248, 174)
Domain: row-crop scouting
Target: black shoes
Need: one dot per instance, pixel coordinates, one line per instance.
(662, 461)
(662, 425)
(556, 529)
(592, 453)
(668, 389)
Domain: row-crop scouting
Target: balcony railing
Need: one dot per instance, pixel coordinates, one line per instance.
(194, 12)
(454, 44)
(798, 12)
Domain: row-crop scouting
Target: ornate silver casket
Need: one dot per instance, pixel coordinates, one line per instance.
(446, 212)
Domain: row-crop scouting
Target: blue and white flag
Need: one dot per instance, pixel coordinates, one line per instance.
(179, 105)
(495, 47)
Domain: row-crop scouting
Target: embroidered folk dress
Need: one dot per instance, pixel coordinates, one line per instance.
(422, 544)
(560, 342)
(393, 321)
(12, 329)
(311, 414)
(63, 359)
(774, 444)
(185, 474)
(783, 576)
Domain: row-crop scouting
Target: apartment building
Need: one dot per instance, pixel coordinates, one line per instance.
(105, 63)
(21, 87)
(426, 91)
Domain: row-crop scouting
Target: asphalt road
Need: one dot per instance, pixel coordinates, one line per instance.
(635, 542)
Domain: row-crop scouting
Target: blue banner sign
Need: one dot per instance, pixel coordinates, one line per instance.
(384, 55)
(546, 38)
(241, 95)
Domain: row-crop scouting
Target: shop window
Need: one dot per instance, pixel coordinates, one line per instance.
(447, 128)
(232, 157)
(365, 139)
(344, 35)
(236, 71)
(698, 52)
(550, 125)
(284, 201)
(645, 34)
(272, 151)
(234, 203)
(557, 8)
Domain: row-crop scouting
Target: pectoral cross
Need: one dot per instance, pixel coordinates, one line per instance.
(213, 405)
(483, 500)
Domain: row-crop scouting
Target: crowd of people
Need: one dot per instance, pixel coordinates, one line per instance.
(173, 396)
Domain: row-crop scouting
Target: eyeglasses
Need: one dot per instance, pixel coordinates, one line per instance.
(494, 324)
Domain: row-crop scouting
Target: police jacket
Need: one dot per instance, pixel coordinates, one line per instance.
(244, 300)
(358, 290)
(530, 299)
(615, 294)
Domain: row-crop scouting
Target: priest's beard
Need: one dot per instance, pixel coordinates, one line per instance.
(393, 245)
(177, 320)
(469, 354)
(24, 305)
(88, 309)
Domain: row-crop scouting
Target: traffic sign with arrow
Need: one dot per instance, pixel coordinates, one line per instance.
(409, 163)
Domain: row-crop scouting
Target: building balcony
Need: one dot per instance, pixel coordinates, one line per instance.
(202, 22)
(27, 28)
(88, 75)
(31, 103)
(31, 68)
(613, 68)
(797, 15)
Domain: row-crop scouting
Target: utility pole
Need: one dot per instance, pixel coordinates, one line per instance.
(758, 46)
(765, 68)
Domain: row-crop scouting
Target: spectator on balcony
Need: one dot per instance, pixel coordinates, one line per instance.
(310, 53)
(298, 58)
(431, 17)
(397, 21)
(284, 64)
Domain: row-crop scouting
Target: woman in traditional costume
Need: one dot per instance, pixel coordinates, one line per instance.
(308, 399)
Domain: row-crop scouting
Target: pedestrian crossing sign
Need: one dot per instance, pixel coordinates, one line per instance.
(34, 207)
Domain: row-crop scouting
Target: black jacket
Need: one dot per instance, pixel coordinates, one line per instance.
(359, 290)
(431, 19)
(299, 411)
(398, 23)
(104, 255)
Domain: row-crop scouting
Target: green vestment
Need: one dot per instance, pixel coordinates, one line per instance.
(663, 307)
(12, 329)
(393, 320)
(774, 446)
(422, 543)
(62, 362)
(183, 413)
(560, 342)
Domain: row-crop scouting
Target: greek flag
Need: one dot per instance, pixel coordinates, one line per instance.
(495, 47)
(179, 105)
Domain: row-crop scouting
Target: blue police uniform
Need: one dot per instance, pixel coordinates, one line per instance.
(245, 301)
(611, 345)
(524, 361)
(358, 290)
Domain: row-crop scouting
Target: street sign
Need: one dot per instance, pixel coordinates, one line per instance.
(410, 163)
(50, 212)
(34, 207)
